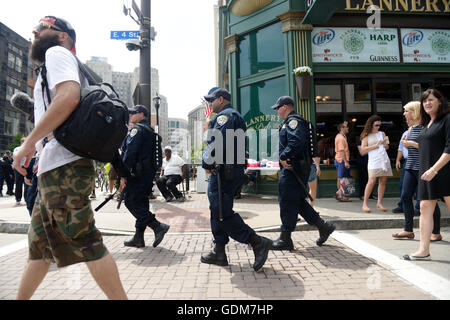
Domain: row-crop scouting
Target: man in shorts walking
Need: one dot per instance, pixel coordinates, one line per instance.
(341, 159)
(62, 228)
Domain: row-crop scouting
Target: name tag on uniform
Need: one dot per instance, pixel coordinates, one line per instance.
(293, 124)
(221, 120)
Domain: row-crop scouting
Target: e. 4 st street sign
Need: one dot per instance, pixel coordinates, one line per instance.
(122, 35)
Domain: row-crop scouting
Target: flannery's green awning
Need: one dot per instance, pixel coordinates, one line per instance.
(320, 11)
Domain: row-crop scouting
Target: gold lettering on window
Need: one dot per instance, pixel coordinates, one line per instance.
(367, 3)
(387, 3)
(432, 3)
(415, 6)
(403, 3)
(349, 6)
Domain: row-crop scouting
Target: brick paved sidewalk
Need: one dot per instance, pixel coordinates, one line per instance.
(173, 271)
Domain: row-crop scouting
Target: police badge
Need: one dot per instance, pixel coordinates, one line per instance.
(221, 120)
(293, 124)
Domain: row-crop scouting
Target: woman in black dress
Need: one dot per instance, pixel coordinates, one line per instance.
(434, 171)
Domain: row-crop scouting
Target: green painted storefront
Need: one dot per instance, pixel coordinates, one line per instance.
(263, 41)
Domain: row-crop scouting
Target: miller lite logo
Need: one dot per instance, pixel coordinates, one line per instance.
(412, 38)
(323, 37)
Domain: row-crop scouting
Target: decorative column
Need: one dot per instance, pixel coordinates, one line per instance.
(298, 53)
(231, 49)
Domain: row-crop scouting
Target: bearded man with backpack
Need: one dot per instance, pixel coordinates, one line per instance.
(62, 228)
(139, 156)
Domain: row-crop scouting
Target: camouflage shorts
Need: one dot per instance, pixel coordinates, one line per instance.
(62, 228)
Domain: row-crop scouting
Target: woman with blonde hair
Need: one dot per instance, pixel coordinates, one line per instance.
(411, 177)
(375, 143)
(434, 167)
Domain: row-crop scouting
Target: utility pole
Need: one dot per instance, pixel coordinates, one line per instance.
(145, 70)
(147, 35)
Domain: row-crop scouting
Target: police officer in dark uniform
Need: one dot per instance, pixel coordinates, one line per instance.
(295, 163)
(8, 172)
(226, 164)
(137, 155)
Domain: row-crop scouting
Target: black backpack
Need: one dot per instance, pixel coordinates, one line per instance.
(97, 127)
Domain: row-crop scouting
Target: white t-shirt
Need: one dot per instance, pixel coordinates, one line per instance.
(173, 166)
(61, 67)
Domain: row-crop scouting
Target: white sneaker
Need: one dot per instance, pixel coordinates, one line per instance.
(17, 203)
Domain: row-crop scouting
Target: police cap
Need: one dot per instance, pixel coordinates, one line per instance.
(282, 101)
(138, 109)
(215, 93)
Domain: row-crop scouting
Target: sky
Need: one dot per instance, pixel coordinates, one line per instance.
(183, 50)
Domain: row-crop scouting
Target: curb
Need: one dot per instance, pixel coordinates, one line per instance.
(356, 224)
(22, 228)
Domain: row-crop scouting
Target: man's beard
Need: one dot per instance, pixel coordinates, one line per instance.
(39, 47)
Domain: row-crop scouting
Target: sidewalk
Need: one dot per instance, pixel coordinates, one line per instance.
(260, 212)
(355, 264)
(173, 271)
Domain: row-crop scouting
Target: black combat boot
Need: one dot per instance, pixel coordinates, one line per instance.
(325, 229)
(217, 256)
(137, 240)
(160, 229)
(261, 247)
(284, 242)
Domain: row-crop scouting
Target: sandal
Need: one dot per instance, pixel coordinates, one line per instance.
(366, 210)
(403, 235)
(438, 238)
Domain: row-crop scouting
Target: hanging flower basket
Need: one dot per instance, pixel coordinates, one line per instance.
(303, 79)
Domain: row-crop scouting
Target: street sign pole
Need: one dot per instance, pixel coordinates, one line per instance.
(145, 57)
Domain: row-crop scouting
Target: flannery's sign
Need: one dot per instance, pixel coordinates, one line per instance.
(415, 6)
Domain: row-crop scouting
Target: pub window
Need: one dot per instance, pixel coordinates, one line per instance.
(358, 97)
(262, 122)
(389, 97)
(328, 99)
(389, 107)
(358, 109)
(261, 50)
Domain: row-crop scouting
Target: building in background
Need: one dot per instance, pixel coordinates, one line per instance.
(163, 107)
(121, 81)
(197, 132)
(101, 67)
(357, 71)
(16, 74)
(179, 138)
(125, 84)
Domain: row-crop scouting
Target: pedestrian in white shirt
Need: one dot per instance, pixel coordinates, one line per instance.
(172, 173)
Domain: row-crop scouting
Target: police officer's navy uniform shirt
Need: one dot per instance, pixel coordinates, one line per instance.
(138, 145)
(294, 138)
(227, 118)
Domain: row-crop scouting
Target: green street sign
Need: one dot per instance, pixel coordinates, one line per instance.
(320, 11)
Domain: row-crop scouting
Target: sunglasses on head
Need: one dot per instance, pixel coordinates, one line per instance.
(45, 25)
